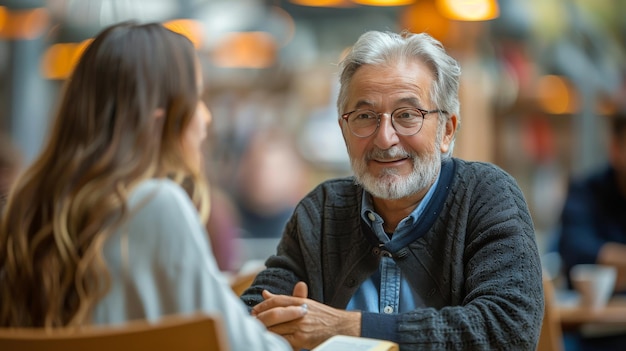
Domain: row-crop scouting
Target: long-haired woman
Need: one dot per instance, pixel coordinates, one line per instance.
(106, 225)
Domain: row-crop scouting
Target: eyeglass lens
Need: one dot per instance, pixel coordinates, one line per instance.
(406, 121)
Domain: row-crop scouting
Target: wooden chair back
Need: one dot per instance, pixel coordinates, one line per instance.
(173, 333)
(551, 337)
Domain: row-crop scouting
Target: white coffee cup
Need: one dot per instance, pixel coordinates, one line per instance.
(594, 282)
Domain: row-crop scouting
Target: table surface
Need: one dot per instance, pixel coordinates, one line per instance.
(571, 313)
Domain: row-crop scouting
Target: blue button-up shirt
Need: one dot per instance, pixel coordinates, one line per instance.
(387, 291)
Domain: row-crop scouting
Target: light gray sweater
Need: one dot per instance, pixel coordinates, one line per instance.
(473, 262)
(161, 263)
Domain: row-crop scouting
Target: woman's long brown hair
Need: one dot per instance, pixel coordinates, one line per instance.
(106, 138)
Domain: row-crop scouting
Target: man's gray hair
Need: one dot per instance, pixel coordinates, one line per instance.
(381, 48)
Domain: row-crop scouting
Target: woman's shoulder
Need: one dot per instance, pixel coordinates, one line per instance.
(161, 185)
(160, 208)
(161, 201)
(158, 192)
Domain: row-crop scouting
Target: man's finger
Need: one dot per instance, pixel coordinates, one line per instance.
(301, 290)
(279, 315)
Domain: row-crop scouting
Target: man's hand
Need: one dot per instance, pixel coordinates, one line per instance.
(614, 254)
(314, 323)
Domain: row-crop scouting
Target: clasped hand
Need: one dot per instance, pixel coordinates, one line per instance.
(305, 323)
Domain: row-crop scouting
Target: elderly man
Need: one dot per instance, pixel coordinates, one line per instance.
(418, 247)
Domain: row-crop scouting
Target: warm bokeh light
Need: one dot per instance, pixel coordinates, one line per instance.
(245, 50)
(469, 10)
(23, 24)
(190, 28)
(323, 3)
(556, 95)
(384, 2)
(59, 60)
(4, 13)
(424, 17)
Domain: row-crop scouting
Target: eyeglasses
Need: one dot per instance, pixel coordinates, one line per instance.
(405, 120)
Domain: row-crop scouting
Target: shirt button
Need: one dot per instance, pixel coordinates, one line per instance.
(371, 216)
(388, 309)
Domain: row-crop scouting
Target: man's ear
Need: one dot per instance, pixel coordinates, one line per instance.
(448, 133)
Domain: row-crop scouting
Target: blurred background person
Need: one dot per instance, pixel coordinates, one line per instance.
(270, 180)
(593, 221)
(593, 228)
(223, 228)
(108, 224)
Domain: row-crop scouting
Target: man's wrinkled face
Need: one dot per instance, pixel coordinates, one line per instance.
(387, 164)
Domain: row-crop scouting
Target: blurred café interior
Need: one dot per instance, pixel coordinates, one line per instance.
(538, 78)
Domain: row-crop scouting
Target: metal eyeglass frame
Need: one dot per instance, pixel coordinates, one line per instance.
(379, 114)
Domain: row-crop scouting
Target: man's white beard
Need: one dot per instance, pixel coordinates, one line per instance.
(389, 185)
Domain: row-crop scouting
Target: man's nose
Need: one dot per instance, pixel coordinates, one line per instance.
(386, 135)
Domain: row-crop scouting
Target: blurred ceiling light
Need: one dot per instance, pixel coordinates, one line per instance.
(245, 50)
(469, 10)
(556, 95)
(59, 60)
(4, 13)
(424, 17)
(192, 29)
(101, 13)
(323, 3)
(23, 24)
(384, 2)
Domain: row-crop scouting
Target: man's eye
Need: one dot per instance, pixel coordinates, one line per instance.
(406, 115)
(365, 115)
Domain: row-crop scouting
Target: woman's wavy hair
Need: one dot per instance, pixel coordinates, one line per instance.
(106, 138)
(388, 48)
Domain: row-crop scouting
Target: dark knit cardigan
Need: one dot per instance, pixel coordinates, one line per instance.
(472, 260)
